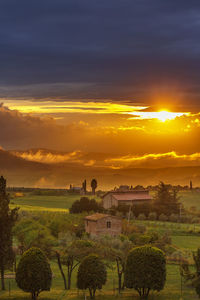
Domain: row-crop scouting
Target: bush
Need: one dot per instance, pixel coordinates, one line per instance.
(174, 218)
(145, 270)
(85, 205)
(152, 216)
(129, 228)
(163, 218)
(33, 273)
(195, 220)
(141, 217)
(186, 218)
(91, 275)
(143, 239)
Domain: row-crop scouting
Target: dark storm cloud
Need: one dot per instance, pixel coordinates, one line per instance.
(102, 49)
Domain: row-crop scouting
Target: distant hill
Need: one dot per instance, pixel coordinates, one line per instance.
(22, 172)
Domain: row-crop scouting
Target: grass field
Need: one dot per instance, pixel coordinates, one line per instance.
(38, 202)
(170, 292)
(190, 198)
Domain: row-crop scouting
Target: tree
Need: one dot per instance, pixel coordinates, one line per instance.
(145, 270)
(84, 187)
(93, 185)
(33, 273)
(71, 256)
(193, 278)
(166, 200)
(8, 218)
(191, 185)
(91, 275)
(85, 204)
(31, 233)
(115, 250)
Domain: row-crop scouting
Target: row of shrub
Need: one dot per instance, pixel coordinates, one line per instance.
(164, 218)
(145, 270)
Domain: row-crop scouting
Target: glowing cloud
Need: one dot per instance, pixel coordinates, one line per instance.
(52, 107)
(162, 116)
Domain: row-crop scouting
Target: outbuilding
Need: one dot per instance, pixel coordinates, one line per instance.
(103, 224)
(130, 198)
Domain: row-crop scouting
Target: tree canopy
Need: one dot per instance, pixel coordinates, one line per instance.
(85, 205)
(145, 270)
(91, 275)
(33, 272)
(93, 185)
(166, 200)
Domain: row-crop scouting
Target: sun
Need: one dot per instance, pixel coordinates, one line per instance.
(165, 115)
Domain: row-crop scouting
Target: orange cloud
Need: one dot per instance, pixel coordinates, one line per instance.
(155, 159)
(48, 157)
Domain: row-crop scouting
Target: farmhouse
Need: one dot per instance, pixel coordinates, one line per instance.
(128, 197)
(102, 224)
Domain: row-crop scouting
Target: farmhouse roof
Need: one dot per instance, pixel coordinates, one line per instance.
(131, 193)
(98, 216)
(132, 196)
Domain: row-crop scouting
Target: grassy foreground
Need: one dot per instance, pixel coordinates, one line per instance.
(172, 289)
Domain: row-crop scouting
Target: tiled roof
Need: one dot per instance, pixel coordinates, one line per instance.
(126, 192)
(97, 216)
(132, 196)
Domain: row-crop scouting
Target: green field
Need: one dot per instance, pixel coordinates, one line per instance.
(190, 198)
(38, 202)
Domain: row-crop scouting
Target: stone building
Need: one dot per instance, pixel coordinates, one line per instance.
(102, 224)
(129, 197)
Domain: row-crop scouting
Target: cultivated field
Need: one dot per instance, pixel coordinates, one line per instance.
(46, 202)
(188, 198)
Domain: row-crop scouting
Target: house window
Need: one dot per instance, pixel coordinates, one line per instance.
(108, 224)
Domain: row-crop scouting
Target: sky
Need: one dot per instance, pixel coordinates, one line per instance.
(118, 78)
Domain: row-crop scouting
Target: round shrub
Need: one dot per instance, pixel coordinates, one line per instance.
(91, 275)
(163, 218)
(33, 273)
(174, 218)
(141, 217)
(195, 220)
(145, 270)
(152, 216)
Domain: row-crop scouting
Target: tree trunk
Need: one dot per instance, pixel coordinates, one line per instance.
(34, 296)
(2, 279)
(144, 293)
(119, 273)
(92, 293)
(119, 282)
(61, 270)
(69, 280)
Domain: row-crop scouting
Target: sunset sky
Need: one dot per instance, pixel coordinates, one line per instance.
(112, 84)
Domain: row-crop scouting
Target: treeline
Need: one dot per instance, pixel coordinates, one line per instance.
(165, 202)
(86, 205)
